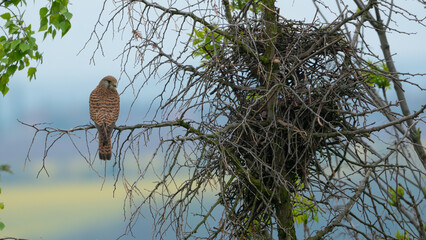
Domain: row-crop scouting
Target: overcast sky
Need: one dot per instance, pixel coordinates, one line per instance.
(64, 81)
(66, 78)
(64, 75)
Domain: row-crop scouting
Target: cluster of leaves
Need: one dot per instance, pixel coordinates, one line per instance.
(255, 227)
(241, 4)
(16, 50)
(252, 96)
(18, 44)
(56, 18)
(404, 236)
(395, 196)
(304, 209)
(376, 77)
(3, 168)
(206, 43)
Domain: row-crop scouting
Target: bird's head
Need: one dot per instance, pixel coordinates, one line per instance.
(109, 82)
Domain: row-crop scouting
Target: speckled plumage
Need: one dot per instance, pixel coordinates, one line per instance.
(104, 106)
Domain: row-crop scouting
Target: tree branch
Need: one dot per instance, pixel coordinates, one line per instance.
(373, 129)
(347, 207)
(380, 28)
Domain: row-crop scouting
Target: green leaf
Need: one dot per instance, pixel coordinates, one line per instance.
(399, 236)
(304, 210)
(24, 47)
(1, 205)
(43, 24)
(5, 168)
(43, 12)
(400, 191)
(15, 56)
(13, 29)
(2, 226)
(299, 219)
(32, 42)
(392, 196)
(66, 27)
(62, 26)
(377, 75)
(4, 60)
(55, 21)
(27, 62)
(2, 53)
(28, 30)
(64, 9)
(402, 236)
(15, 43)
(11, 70)
(16, 2)
(31, 73)
(5, 16)
(68, 15)
(4, 89)
(21, 65)
(4, 79)
(38, 56)
(56, 7)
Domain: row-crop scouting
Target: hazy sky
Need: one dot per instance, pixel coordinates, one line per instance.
(60, 95)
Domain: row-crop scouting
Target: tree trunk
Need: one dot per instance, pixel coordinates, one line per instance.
(284, 212)
(282, 204)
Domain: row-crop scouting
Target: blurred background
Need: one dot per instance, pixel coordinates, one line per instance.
(72, 201)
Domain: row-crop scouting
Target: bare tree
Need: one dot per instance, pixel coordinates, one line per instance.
(271, 118)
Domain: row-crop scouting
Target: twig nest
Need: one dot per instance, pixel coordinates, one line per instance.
(284, 107)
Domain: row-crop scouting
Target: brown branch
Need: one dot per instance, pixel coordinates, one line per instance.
(13, 238)
(380, 28)
(347, 207)
(373, 129)
(337, 28)
(211, 27)
(119, 128)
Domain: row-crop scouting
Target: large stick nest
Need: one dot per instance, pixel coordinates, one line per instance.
(284, 109)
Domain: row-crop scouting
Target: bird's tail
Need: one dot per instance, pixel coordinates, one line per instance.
(105, 151)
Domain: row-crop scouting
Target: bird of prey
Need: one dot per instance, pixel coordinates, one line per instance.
(104, 104)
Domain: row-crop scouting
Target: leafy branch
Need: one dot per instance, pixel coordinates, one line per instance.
(18, 45)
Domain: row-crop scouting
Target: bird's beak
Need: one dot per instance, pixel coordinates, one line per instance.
(114, 84)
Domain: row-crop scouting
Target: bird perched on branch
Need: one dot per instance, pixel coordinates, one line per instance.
(104, 106)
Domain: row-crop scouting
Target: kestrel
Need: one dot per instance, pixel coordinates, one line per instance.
(104, 104)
